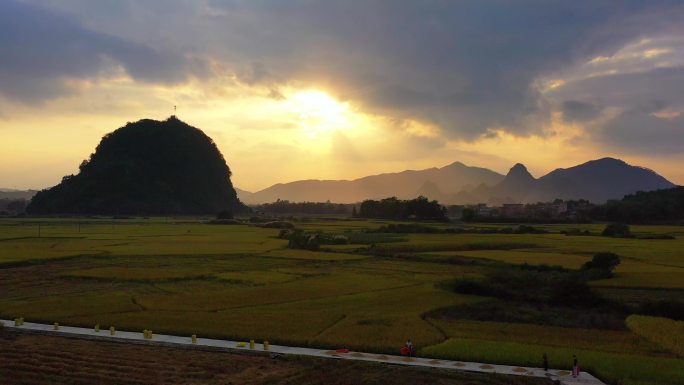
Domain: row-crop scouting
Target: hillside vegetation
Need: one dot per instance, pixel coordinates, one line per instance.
(146, 168)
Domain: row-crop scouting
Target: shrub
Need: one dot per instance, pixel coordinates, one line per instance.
(402, 228)
(577, 232)
(618, 230)
(224, 222)
(299, 239)
(526, 229)
(601, 265)
(224, 214)
(278, 225)
(554, 287)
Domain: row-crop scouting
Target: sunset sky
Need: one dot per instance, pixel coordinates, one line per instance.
(341, 89)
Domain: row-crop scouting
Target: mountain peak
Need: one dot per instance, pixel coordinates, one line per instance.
(519, 171)
(456, 164)
(608, 160)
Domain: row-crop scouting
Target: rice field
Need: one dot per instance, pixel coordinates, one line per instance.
(182, 276)
(662, 331)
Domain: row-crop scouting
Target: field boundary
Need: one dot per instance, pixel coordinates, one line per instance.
(258, 348)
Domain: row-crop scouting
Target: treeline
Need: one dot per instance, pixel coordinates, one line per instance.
(287, 207)
(659, 205)
(393, 208)
(10, 206)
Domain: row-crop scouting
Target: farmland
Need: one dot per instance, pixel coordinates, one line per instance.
(183, 276)
(30, 360)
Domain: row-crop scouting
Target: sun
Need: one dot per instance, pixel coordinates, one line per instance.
(317, 112)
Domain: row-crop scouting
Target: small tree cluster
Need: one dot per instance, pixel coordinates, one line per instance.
(617, 230)
(602, 265)
(393, 208)
(287, 207)
(300, 239)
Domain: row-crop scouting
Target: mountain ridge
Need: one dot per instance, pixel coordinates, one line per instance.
(596, 180)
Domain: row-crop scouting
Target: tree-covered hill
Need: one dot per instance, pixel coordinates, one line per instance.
(148, 167)
(646, 206)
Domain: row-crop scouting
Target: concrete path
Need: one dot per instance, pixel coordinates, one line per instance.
(137, 337)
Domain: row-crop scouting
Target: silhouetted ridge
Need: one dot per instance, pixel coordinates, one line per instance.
(148, 167)
(518, 174)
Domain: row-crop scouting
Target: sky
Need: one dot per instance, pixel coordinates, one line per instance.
(339, 89)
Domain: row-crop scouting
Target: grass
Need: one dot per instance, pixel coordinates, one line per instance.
(632, 368)
(663, 331)
(181, 276)
(312, 255)
(519, 257)
(616, 341)
(660, 280)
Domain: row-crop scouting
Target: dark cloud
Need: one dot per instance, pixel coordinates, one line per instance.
(629, 90)
(576, 111)
(467, 66)
(640, 132)
(647, 104)
(40, 48)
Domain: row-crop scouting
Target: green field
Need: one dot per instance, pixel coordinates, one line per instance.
(182, 276)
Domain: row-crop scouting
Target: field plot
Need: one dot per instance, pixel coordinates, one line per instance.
(662, 331)
(242, 282)
(31, 359)
(519, 257)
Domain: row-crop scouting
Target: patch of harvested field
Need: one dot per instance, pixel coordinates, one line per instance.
(36, 360)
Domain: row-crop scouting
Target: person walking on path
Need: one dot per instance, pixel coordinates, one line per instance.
(546, 363)
(409, 346)
(575, 366)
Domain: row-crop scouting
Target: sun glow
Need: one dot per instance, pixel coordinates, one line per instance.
(318, 113)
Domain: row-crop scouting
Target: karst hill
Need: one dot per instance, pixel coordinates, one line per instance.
(148, 167)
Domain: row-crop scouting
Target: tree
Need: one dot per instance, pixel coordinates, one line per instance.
(619, 230)
(602, 265)
(224, 214)
(468, 215)
(393, 208)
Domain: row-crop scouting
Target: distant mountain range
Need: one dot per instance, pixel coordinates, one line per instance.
(8, 193)
(596, 180)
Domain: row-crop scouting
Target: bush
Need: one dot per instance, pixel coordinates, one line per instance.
(224, 214)
(298, 239)
(618, 230)
(278, 225)
(577, 232)
(526, 229)
(657, 236)
(402, 228)
(554, 287)
(224, 222)
(601, 265)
